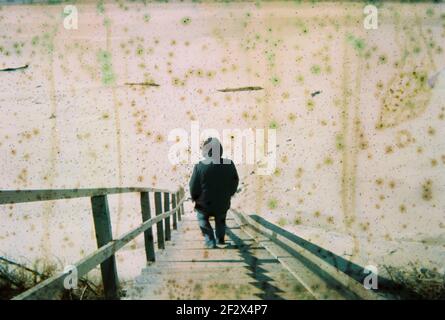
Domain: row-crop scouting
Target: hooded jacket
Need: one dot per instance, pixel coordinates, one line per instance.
(212, 185)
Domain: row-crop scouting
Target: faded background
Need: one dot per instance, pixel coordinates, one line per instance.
(360, 166)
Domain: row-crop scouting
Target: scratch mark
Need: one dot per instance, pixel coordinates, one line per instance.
(148, 84)
(240, 89)
(313, 94)
(15, 69)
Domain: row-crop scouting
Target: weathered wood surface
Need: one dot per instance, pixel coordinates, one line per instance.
(242, 269)
(104, 235)
(51, 287)
(320, 276)
(21, 196)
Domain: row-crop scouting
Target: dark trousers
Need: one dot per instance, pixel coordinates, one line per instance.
(207, 230)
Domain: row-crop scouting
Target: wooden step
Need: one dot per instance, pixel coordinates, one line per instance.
(214, 254)
(195, 291)
(266, 268)
(242, 270)
(261, 273)
(323, 280)
(232, 287)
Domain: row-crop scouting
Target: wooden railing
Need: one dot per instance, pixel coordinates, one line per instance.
(107, 246)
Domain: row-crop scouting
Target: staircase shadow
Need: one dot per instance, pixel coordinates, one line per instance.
(355, 271)
(257, 273)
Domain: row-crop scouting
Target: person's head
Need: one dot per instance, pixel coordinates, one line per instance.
(212, 149)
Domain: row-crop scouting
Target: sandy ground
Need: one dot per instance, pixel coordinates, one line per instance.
(359, 165)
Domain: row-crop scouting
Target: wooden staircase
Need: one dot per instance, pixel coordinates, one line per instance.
(242, 269)
(259, 261)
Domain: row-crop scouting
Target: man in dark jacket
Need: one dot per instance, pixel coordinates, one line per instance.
(214, 181)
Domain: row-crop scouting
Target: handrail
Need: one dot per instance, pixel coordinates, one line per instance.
(104, 256)
(21, 196)
(334, 266)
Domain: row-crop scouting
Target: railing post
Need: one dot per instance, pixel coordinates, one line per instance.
(159, 225)
(182, 204)
(167, 220)
(148, 235)
(178, 196)
(102, 226)
(175, 221)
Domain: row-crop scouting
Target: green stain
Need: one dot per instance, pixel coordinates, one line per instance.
(272, 204)
(139, 50)
(275, 81)
(328, 161)
(310, 104)
(282, 222)
(300, 79)
(270, 57)
(104, 58)
(107, 22)
(100, 7)
(427, 193)
(47, 42)
(186, 20)
(302, 27)
(357, 43)
(383, 59)
(273, 125)
(316, 69)
(339, 142)
(430, 12)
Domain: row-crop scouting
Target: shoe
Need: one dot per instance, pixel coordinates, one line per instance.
(211, 245)
(221, 242)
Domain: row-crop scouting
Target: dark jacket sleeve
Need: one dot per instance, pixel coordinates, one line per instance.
(195, 184)
(235, 179)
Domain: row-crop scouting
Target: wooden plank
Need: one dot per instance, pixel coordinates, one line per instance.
(104, 235)
(148, 234)
(235, 273)
(178, 196)
(21, 196)
(167, 220)
(49, 288)
(159, 225)
(182, 203)
(175, 214)
(181, 208)
(309, 268)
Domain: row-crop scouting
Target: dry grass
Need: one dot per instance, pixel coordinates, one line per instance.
(16, 278)
(421, 283)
